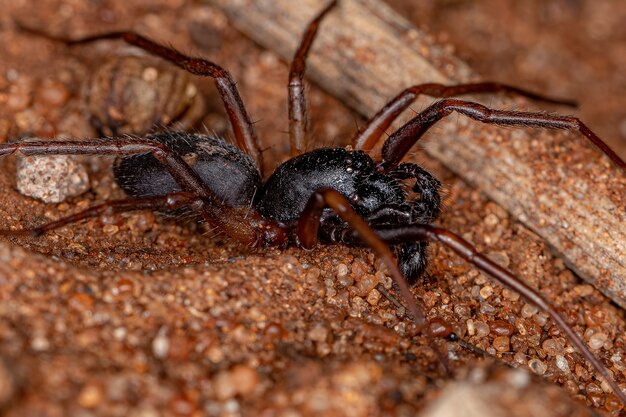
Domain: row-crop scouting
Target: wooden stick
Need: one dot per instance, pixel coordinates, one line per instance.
(557, 184)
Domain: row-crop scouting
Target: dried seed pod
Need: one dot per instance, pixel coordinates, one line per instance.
(134, 95)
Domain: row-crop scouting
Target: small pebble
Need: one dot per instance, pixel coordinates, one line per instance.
(552, 347)
(123, 285)
(273, 331)
(373, 297)
(161, 344)
(19, 95)
(491, 220)
(605, 385)
(597, 340)
(366, 284)
(51, 179)
(593, 387)
(40, 343)
(358, 375)
(358, 269)
(571, 387)
(596, 400)
(471, 327)
(181, 406)
(562, 364)
(537, 366)
(486, 292)
(439, 328)
(510, 294)
(502, 343)
(110, 229)
(583, 290)
(501, 258)
(613, 404)
(231, 406)
(90, 396)
(344, 280)
(519, 357)
(487, 308)
(541, 318)
(239, 380)
(53, 93)
(81, 301)
(319, 333)
(529, 310)
(119, 333)
(482, 328)
(462, 310)
(501, 328)
(342, 270)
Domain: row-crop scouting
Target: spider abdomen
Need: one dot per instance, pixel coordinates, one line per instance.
(227, 171)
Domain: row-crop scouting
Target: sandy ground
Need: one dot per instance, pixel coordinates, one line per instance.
(142, 315)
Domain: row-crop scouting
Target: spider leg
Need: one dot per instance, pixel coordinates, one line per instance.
(419, 232)
(167, 202)
(297, 101)
(244, 131)
(240, 224)
(367, 137)
(401, 141)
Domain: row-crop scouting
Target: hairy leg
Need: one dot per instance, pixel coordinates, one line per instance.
(297, 101)
(240, 224)
(243, 128)
(400, 142)
(167, 202)
(367, 137)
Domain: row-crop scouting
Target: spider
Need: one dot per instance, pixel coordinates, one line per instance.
(327, 195)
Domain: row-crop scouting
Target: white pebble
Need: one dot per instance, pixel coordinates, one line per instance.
(51, 179)
(562, 364)
(161, 344)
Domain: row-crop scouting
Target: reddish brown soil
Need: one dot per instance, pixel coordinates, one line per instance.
(141, 315)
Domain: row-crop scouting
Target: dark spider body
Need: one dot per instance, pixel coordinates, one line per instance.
(381, 199)
(331, 195)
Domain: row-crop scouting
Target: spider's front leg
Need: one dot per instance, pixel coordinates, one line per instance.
(167, 202)
(400, 142)
(367, 137)
(239, 223)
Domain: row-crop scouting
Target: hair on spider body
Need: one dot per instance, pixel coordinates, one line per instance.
(228, 172)
(330, 195)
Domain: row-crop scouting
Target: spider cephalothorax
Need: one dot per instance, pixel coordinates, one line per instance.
(380, 198)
